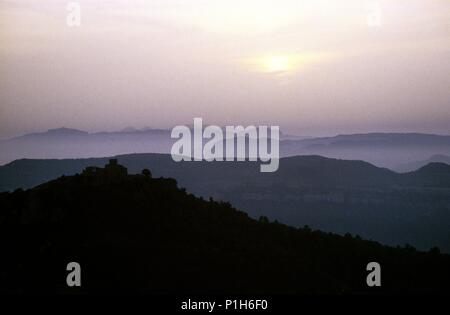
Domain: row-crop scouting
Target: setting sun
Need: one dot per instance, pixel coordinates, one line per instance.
(278, 63)
(289, 63)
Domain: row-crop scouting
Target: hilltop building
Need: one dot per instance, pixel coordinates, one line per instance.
(112, 170)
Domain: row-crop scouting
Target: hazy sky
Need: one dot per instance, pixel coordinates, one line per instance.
(314, 67)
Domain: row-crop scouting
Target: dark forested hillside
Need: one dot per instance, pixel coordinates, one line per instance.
(332, 195)
(135, 233)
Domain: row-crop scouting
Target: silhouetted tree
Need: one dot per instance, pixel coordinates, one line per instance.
(146, 172)
(263, 219)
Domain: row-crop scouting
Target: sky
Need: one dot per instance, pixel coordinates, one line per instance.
(313, 67)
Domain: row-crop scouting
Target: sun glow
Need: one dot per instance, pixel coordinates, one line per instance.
(279, 63)
(288, 63)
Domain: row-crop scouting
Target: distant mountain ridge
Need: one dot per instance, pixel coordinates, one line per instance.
(72, 143)
(391, 150)
(411, 166)
(63, 131)
(380, 138)
(377, 137)
(27, 173)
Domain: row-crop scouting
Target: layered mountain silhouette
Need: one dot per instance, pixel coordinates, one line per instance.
(332, 195)
(141, 234)
(72, 143)
(411, 166)
(391, 150)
